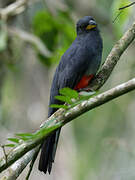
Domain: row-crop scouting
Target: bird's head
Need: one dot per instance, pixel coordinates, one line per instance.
(85, 25)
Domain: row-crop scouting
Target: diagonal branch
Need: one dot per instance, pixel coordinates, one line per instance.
(30, 38)
(113, 58)
(61, 117)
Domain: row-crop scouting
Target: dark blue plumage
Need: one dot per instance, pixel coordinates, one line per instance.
(82, 58)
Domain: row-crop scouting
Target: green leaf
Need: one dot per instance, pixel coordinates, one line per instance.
(24, 134)
(69, 92)
(10, 145)
(58, 106)
(14, 140)
(65, 99)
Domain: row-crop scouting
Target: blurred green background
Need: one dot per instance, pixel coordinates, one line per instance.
(99, 144)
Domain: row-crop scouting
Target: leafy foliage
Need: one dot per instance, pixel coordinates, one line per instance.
(71, 97)
(56, 32)
(15, 140)
(21, 138)
(69, 93)
(10, 145)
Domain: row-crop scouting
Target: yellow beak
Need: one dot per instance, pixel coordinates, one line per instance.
(90, 27)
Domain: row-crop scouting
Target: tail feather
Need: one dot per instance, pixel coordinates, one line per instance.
(48, 152)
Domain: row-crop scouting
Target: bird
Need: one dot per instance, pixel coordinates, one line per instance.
(77, 67)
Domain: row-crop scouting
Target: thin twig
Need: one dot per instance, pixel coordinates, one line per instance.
(127, 6)
(117, 16)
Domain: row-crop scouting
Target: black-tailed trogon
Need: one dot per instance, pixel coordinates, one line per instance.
(77, 67)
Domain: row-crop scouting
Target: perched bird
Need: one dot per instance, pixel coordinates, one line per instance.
(77, 67)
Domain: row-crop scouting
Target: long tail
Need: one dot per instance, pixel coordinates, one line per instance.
(48, 152)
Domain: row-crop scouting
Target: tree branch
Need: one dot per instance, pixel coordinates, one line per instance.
(61, 117)
(15, 170)
(31, 38)
(113, 58)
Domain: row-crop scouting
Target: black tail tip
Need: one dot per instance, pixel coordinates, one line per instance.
(45, 169)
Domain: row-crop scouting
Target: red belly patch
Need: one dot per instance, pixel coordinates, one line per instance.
(84, 82)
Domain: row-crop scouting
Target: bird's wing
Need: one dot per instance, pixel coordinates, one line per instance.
(72, 67)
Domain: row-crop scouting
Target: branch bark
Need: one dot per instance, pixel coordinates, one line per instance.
(15, 170)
